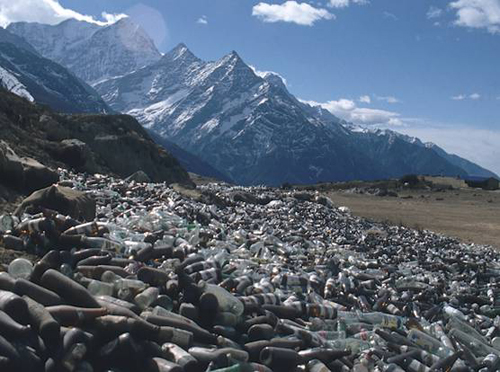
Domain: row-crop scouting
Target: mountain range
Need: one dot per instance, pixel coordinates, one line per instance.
(25, 72)
(245, 125)
(90, 51)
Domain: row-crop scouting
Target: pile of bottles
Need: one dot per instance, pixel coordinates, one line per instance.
(263, 280)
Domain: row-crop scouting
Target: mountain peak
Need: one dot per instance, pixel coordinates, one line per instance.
(180, 53)
(233, 57)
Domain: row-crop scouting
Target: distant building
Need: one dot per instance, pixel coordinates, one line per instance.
(482, 183)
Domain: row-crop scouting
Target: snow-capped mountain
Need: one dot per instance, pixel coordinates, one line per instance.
(27, 74)
(253, 129)
(471, 168)
(93, 53)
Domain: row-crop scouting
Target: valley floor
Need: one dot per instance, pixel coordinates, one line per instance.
(471, 215)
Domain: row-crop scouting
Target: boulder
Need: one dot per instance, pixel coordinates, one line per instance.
(66, 201)
(37, 175)
(11, 169)
(24, 174)
(74, 152)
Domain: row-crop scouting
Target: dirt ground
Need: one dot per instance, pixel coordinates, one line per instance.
(471, 215)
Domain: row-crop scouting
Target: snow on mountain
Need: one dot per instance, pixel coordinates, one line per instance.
(10, 82)
(25, 73)
(253, 129)
(93, 53)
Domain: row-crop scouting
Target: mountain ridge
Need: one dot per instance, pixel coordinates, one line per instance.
(79, 46)
(248, 126)
(254, 128)
(35, 78)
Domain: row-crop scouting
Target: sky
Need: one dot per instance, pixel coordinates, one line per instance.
(425, 68)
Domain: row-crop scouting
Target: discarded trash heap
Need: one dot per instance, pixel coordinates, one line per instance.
(239, 279)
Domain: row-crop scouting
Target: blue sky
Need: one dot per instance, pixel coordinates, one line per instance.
(425, 68)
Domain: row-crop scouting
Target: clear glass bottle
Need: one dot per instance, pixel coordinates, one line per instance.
(20, 268)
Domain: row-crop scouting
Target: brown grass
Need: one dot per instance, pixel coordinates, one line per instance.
(471, 215)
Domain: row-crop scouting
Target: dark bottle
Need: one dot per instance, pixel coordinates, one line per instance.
(324, 355)
(121, 303)
(285, 312)
(12, 242)
(10, 328)
(254, 348)
(191, 292)
(14, 306)
(75, 316)
(7, 282)
(445, 364)
(117, 307)
(51, 260)
(279, 359)
(95, 260)
(68, 289)
(153, 277)
(269, 318)
(199, 334)
(41, 320)
(8, 350)
(260, 332)
(112, 325)
(145, 253)
(38, 293)
(122, 351)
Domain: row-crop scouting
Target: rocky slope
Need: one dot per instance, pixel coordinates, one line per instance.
(26, 73)
(110, 144)
(253, 129)
(91, 52)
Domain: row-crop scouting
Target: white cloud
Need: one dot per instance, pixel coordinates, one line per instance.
(348, 110)
(112, 18)
(46, 11)
(365, 99)
(461, 97)
(478, 14)
(203, 20)
(300, 13)
(345, 3)
(265, 74)
(390, 16)
(388, 99)
(434, 12)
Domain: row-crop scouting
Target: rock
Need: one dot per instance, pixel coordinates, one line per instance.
(66, 201)
(139, 177)
(74, 153)
(37, 175)
(23, 173)
(11, 169)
